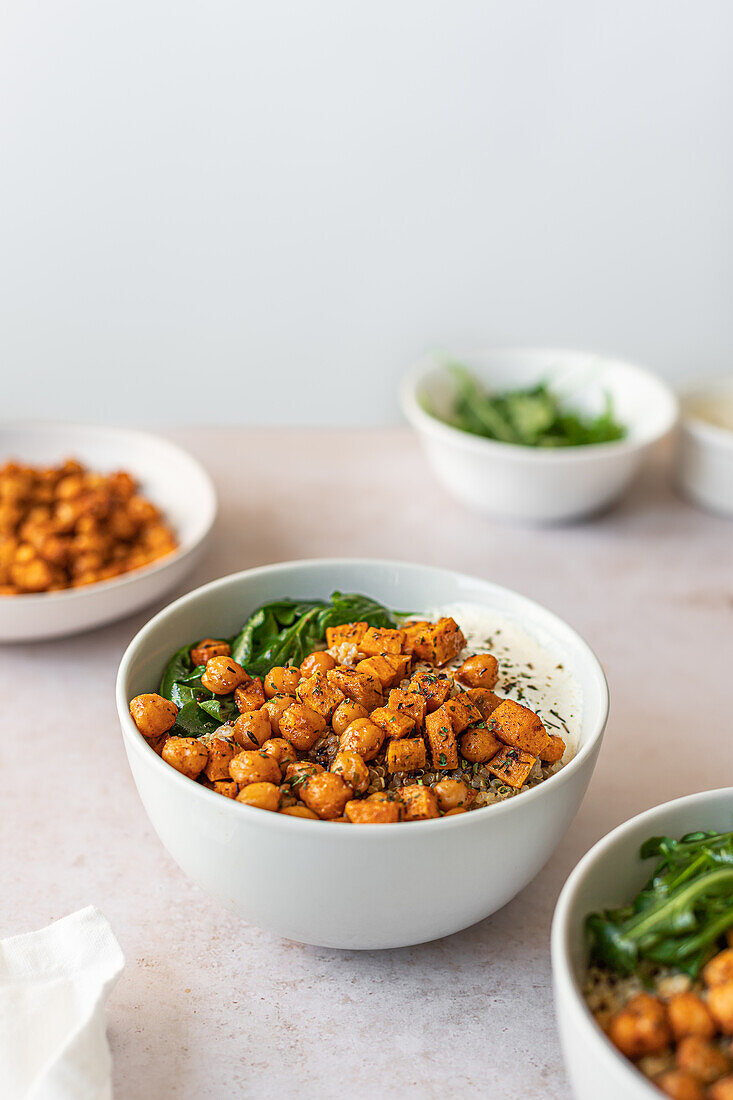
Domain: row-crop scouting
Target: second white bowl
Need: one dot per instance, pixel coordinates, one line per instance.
(539, 484)
(608, 876)
(354, 886)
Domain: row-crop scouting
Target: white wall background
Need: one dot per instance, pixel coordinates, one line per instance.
(231, 210)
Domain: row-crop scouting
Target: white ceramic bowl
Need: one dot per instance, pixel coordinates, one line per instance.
(168, 476)
(536, 484)
(704, 458)
(365, 886)
(610, 875)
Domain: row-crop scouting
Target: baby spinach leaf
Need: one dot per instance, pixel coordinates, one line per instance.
(177, 669)
(193, 721)
(286, 631)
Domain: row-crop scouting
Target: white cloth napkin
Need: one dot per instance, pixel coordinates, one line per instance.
(53, 988)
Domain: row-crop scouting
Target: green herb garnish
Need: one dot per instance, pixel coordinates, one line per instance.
(530, 417)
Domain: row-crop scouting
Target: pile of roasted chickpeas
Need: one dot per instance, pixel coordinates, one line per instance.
(691, 1028)
(64, 526)
(373, 694)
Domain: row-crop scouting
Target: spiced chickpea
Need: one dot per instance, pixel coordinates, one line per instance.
(280, 750)
(689, 1015)
(298, 771)
(641, 1027)
(722, 1089)
(351, 767)
(319, 661)
(680, 1085)
(363, 737)
(479, 671)
(453, 794)
(720, 1003)
(186, 754)
(301, 726)
(281, 680)
(207, 649)
(702, 1059)
(223, 675)
(254, 767)
(479, 745)
(264, 796)
(226, 787)
(326, 793)
(152, 714)
(720, 968)
(275, 708)
(300, 811)
(346, 713)
(251, 729)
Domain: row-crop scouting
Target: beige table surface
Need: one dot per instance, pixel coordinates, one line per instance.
(210, 1007)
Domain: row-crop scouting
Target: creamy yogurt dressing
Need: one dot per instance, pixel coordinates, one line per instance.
(533, 673)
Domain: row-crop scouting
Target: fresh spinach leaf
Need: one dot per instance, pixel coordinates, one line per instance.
(679, 916)
(193, 721)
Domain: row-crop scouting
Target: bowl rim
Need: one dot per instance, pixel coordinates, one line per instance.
(207, 510)
(134, 740)
(560, 948)
(424, 421)
(690, 421)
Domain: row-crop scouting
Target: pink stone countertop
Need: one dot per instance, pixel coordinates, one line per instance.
(211, 1007)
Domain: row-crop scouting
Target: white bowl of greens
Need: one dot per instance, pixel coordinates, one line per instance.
(339, 885)
(602, 922)
(539, 435)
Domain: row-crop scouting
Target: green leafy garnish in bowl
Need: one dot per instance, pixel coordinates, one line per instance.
(281, 632)
(533, 416)
(680, 917)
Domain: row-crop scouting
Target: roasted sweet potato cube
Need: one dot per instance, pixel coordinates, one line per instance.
(378, 640)
(433, 686)
(418, 801)
(318, 694)
(511, 766)
(461, 714)
(443, 743)
(439, 642)
(408, 702)
(474, 714)
(380, 667)
(399, 663)
(363, 811)
(483, 699)
(406, 755)
(394, 723)
(363, 687)
(553, 750)
(250, 695)
(518, 727)
(221, 751)
(412, 631)
(352, 633)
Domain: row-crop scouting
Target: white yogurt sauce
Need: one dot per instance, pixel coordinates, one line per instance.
(533, 673)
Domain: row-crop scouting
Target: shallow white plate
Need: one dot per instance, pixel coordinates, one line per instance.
(355, 886)
(168, 476)
(608, 876)
(540, 484)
